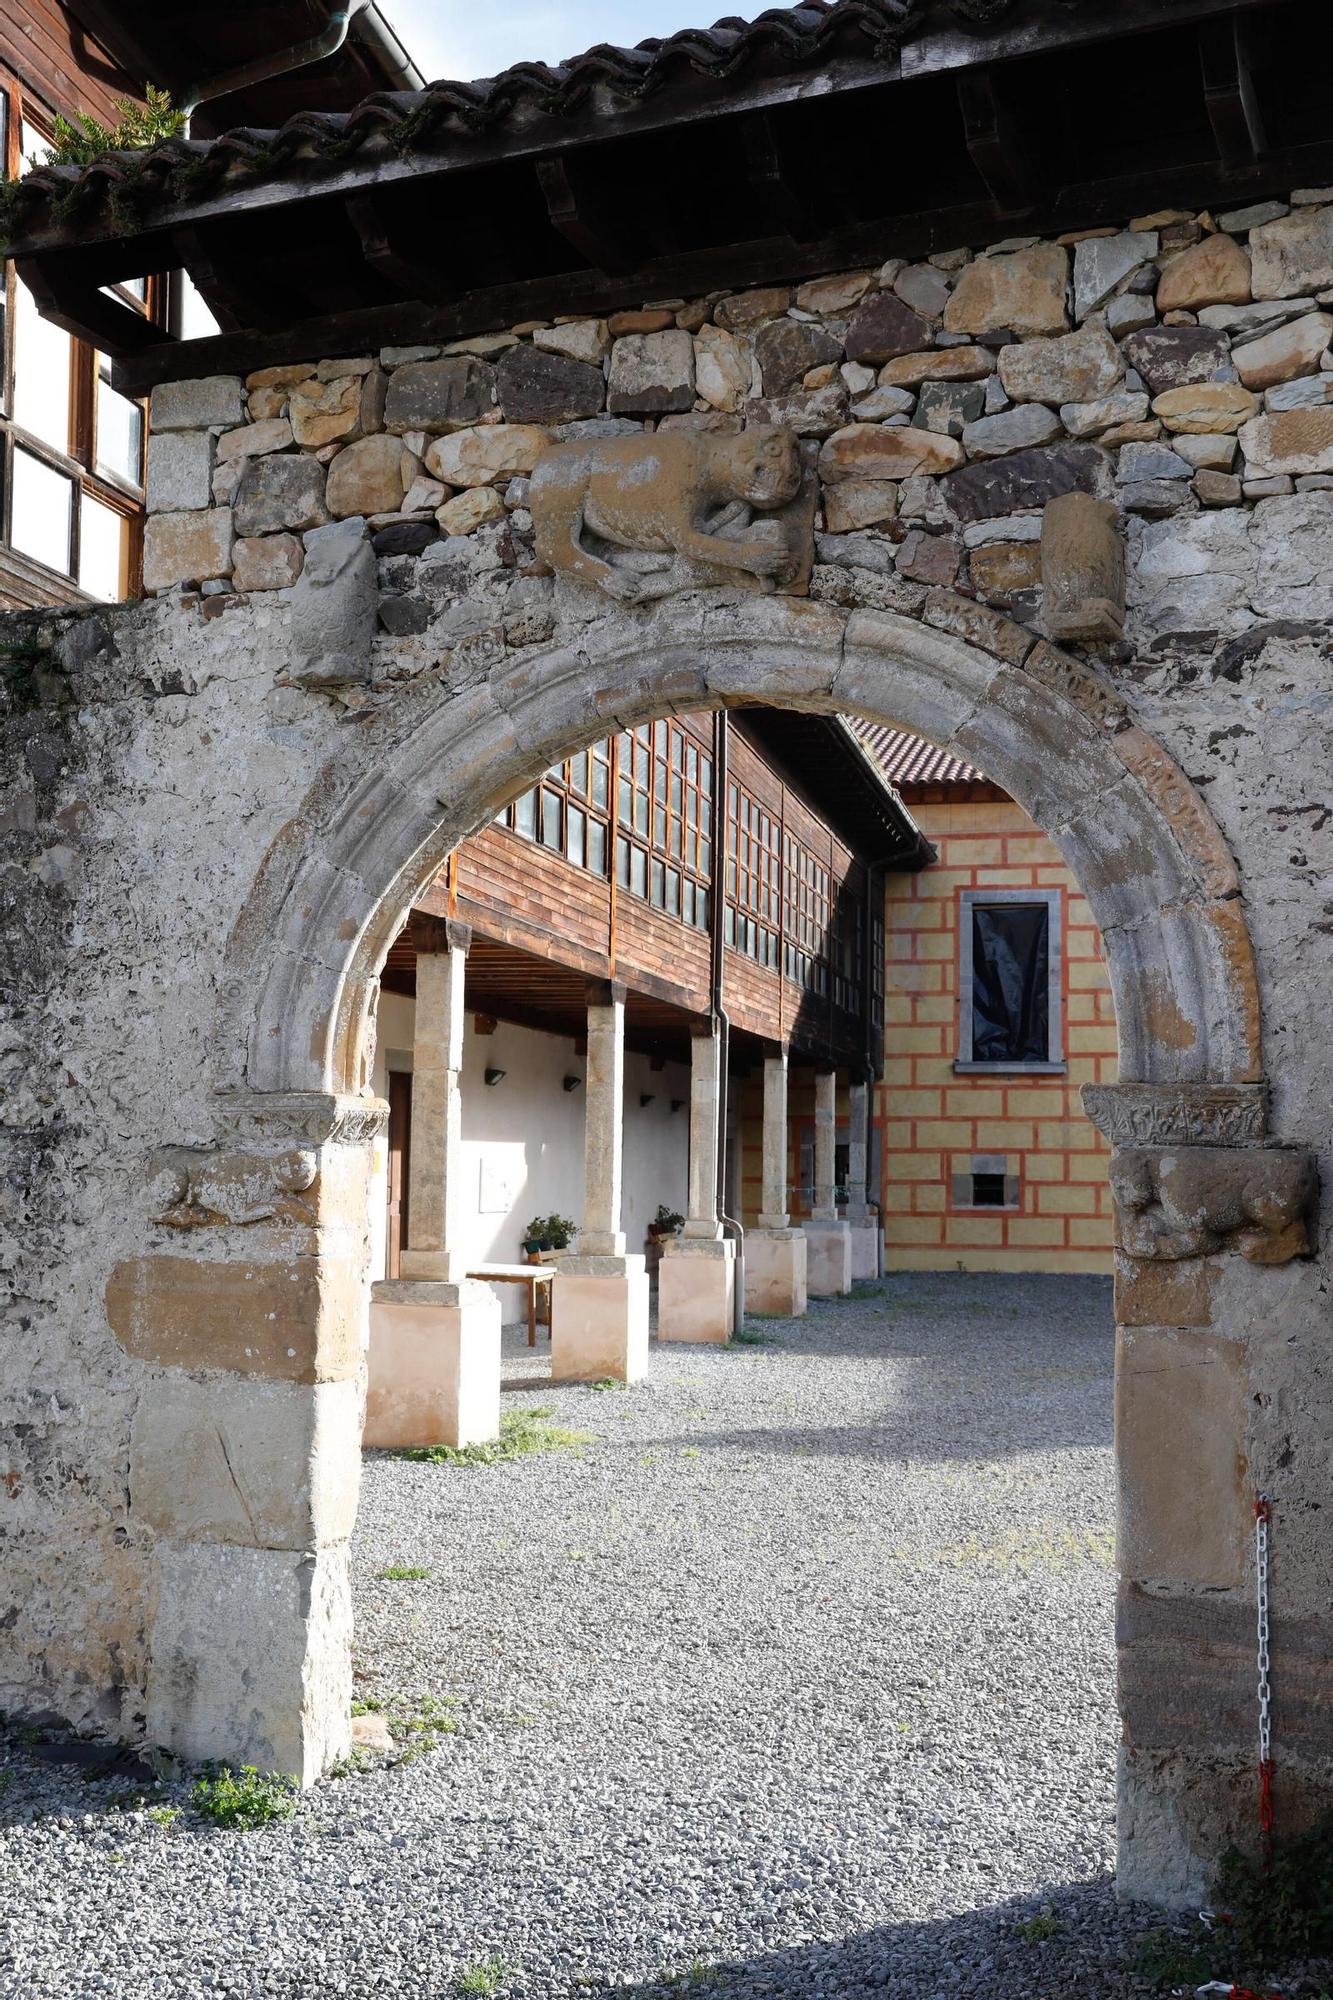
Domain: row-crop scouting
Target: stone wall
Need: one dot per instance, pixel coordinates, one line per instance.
(942, 1126)
(1179, 366)
(218, 805)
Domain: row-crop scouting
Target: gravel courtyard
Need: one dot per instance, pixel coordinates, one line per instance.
(794, 1679)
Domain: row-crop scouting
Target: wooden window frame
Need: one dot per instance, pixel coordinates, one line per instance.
(78, 463)
(560, 782)
(665, 820)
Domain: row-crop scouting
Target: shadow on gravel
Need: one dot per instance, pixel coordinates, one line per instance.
(1072, 1943)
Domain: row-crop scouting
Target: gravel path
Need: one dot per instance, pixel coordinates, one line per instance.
(795, 1680)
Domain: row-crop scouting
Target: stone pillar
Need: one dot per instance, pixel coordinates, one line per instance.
(1213, 1328)
(862, 1220)
(599, 1298)
(775, 1253)
(433, 1249)
(246, 1326)
(604, 1123)
(434, 1370)
(829, 1240)
(696, 1286)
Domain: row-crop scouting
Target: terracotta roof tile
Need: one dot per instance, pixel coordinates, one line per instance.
(586, 87)
(909, 760)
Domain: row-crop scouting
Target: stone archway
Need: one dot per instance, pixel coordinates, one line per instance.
(290, 1059)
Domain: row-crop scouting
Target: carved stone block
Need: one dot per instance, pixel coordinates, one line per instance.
(1201, 1199)
(1082, 568)
(639, 517)
(1178, 1114)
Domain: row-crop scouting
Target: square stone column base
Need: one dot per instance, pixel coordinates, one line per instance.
(434, 1364)
(599, 1320)
(696, 1289)
(775, 1272)
(828, 1269)
(865, 1248)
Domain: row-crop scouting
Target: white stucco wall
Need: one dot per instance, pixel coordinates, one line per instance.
(523, 1138)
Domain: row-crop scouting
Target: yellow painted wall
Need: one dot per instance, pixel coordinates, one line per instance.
(935, 1120)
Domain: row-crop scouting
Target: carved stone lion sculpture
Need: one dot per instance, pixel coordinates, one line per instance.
(1191, 1202)
(640, 516)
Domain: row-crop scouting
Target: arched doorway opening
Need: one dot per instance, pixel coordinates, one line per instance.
(291, 1053)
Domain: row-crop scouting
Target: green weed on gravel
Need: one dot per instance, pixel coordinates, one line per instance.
(484, 1978)
(246, 1798)
(404, 1573)
(522, 1433)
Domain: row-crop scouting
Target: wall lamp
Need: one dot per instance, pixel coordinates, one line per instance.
(646, 1098)
(570, 1082)
(494, 1076)
(677, 1104)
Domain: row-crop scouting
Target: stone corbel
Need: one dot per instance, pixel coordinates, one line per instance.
(1193, 1201)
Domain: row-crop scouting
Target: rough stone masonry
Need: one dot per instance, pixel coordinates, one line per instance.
(219, 803)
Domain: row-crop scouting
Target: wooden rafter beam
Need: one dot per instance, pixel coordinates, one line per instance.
(1229, 94)
(785, 195)
(383, 251)
(65, 296)
(578, 212)
(996, 141)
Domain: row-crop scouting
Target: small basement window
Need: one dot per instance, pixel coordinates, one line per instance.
(1009, 1015)
(988, 1191)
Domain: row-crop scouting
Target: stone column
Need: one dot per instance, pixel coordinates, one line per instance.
(829, 1240)
(604, 1126)
(433, 1249)
(775, 1253)
(696, 1287)
(599, 1302)
(862, 1220)
(246, 1339)
(1212, 1234)
(434, 1373)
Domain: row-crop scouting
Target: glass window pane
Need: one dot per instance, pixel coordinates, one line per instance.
(102, 537)
(574, 847)
(706, 775)
(551, 836)
(688, 903)
(625, 802)
(600, 780)
(657, 893)
(43, 512)
(525, 815)
(641, 765)
(578, 774)
(41, 373)
(597, 847)
(119, 432)
(638, 871)
(1010, 982)
(659, 826)
(35, 146)
(641, 813)
(673, 892)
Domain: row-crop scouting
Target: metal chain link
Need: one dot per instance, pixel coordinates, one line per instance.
(1262, 1516)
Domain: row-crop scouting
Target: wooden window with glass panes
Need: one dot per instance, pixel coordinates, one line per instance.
(71, 448)
(569, 811)
(805, 945)
(752, 920)
(664, 819)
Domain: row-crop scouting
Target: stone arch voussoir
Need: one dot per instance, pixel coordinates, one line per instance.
(304, 956)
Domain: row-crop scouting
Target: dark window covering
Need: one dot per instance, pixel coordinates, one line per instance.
(1010, 982)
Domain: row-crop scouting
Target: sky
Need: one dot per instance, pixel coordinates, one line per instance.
(471, 38)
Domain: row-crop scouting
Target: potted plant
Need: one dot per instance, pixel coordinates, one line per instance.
(537, 1236)
(561, 1229)
(667, 1222)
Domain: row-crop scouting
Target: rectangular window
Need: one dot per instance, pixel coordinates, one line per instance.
(1009, 1015)
(71, 447)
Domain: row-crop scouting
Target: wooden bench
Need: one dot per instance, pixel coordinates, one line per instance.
(534, 1276)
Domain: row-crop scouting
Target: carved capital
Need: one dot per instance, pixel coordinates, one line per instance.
(1198, 1200)
(279, 1118)
(1082, 568)
(1178, 1114)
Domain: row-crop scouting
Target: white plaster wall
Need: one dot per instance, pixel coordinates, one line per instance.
(523, 1138)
